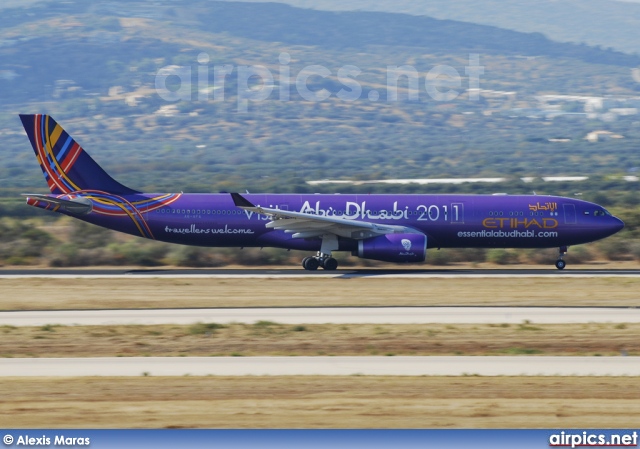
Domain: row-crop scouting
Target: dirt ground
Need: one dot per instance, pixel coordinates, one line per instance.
(49, 294)
(320, 402)
(267, 338)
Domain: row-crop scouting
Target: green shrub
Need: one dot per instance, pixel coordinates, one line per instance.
(437, 257)
(139, 252)
(192, 256)
(205, 328)
(539, 256)
(476, 255)
(85, 235)
(502, 257)
(580, 254)
(615, 248)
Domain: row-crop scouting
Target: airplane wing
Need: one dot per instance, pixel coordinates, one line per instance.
(76, 205)
(303, 225)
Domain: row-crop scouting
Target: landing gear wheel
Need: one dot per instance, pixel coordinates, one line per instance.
(330, 264)
(560, 264)
(304, 262)
(311, 264)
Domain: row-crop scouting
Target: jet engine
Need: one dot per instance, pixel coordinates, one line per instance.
(396, 248)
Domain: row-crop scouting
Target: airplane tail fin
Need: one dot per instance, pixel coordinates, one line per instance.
(66, 166)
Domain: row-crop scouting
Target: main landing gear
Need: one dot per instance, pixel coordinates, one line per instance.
(321, 260)
(560, 263)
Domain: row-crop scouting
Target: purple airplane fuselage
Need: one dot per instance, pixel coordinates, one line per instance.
(393, 228)
(448, 221)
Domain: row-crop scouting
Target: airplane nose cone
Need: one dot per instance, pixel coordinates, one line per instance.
(610, 226)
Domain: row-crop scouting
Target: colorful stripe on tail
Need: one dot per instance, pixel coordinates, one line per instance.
(66, 166)
(78, 184)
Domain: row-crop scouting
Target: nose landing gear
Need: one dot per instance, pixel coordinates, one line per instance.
(560, 263)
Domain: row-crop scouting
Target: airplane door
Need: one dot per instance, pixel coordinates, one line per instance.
(569, 214)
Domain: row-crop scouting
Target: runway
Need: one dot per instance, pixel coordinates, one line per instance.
(330, 366)
(296, 273)
(322, 366)
(326, 315)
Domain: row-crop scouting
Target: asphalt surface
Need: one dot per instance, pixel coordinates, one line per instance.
(343, 273)
(322, 366)
(323, 315)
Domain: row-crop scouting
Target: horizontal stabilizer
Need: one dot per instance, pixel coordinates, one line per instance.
(77, 206)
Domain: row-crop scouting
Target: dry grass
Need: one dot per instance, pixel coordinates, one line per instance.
(50, 294)
(266, 338)
(317, 402)
(320, 402)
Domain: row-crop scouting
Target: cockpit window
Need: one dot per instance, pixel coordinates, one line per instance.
(601, 213)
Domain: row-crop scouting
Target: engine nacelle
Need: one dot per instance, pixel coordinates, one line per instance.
(396, 248)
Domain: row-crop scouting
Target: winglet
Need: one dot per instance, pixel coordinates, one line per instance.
(241, 201)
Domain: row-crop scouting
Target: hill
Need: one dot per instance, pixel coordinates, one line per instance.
(95, 66)
(605, 23)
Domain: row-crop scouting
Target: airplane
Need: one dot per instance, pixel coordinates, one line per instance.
(388, 228)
